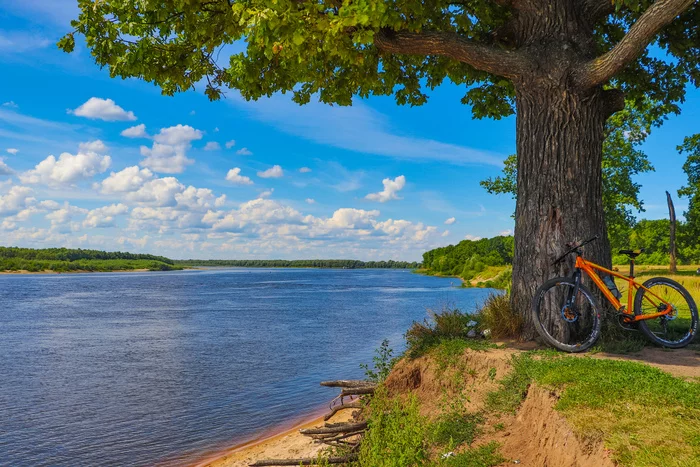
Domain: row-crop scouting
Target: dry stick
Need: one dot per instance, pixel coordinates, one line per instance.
(356, 391)
(304, 461)
(341, 428)
(335, 410)
(347, 383)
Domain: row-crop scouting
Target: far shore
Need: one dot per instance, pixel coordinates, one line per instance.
(78, 271)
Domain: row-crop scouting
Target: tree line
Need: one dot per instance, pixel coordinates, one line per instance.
(301, 263)
(67, 260)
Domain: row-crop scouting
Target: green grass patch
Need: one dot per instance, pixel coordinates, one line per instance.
(453, 429)
(482, 456)
(644, 416)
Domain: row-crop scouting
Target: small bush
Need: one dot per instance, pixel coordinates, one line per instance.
(396, 434)
(498, 317)
(444, 325)
(383, 363)
(453, 429)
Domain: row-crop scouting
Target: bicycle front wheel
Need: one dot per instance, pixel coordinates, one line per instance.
(678, 328)
(567, 322)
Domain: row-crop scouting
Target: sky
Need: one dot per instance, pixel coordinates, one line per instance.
(87, 161)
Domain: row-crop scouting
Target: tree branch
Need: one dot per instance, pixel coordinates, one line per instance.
(601, 69)
(483, 57)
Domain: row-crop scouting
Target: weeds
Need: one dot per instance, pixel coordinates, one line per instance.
(383, 363)
(453, 429)
(442, 326)
(498, 317)
(482, 456)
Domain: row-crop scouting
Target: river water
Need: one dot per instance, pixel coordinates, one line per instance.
(136, 369)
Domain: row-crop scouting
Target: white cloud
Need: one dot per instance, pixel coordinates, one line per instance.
(10, 104)
(310, 201)
(169, 151)
(450, 221)
(391, 187)
(350, 218)
(266, 193)
(505, 233)
(244, 152)
(234, 176)
(212, 146)
(103, 109)
(64, 215)
(129, 179)
(305, 170)
(472, 237)
(12, 151)
(273, 172)
(104, 216)
(159, 192)
(4, 168)
(15, 200)
(230, 143)
(138, 131)
(445, 233)
(69, 169)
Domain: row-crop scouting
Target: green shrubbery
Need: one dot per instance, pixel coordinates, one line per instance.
(67, 260)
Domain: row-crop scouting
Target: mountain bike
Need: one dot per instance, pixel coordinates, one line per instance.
(567, 316)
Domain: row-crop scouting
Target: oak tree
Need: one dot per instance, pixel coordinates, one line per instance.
(564, 67)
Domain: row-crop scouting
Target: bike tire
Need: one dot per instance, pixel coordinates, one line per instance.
(692, 307)
(537, 302)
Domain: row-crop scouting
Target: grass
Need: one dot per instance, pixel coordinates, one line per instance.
(482, 456)
(643, 415)
(498, 317)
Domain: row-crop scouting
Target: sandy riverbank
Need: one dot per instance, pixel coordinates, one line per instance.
(288, 443)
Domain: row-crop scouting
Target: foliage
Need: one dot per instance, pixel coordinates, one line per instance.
(690, 232)
(453, 428)
(448, 324)
(498, 317)
(615, 401)
(396, 433)
(300, 263)
(67, 260)
(469, 257)
(383, 362)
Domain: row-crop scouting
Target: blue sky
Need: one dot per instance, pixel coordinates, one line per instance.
(371, 181)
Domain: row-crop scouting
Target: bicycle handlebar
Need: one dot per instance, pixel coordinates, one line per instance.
(574, 248)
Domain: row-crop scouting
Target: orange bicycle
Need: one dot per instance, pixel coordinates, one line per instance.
(567, 316)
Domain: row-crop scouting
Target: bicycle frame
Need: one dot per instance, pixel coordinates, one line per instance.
(590, 269)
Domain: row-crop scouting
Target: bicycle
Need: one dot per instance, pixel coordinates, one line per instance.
(567, 316)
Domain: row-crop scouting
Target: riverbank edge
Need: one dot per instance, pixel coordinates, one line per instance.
(264, 440)
(22, 272)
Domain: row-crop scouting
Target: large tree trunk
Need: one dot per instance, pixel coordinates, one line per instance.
(559, 145)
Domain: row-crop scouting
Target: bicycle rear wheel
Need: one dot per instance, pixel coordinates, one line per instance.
(676, 329)
(569, 323)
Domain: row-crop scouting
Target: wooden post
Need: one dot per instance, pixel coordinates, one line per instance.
(672, 216)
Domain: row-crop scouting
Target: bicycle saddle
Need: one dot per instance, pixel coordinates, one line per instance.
(632, 253)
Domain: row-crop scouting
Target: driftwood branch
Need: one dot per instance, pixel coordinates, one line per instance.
(338, 408)
(357, 391)
(336, 428)
(305, 461)
(348, 383)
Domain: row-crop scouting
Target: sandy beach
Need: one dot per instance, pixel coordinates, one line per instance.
(285, 444)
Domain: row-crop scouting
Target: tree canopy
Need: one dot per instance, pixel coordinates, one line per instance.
(339, 49)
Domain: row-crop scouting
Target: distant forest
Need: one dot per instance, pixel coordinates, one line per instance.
(300, 263)
(66, 260)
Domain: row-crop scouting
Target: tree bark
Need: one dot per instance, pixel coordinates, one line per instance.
(559, 144)
(673, 269)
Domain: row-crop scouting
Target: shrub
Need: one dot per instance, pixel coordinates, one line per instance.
(446, 324)
(498, 317)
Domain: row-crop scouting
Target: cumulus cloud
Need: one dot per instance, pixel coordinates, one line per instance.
(12, 151)
(62, 217)
(350, 218)
(129, 179)
(266, 193)
(69, 169)
(4, 168)
(450, 221)
(273, 172)
(15, 200)
(310, 201)
(104, 216)
(234, 176)
(138, 131)
(472, 237)
(212, 146)
(169, 151)
(103, 109)
(391, 188)
(305, 170)
(505, 233)
(244, 152)
(230, 143)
